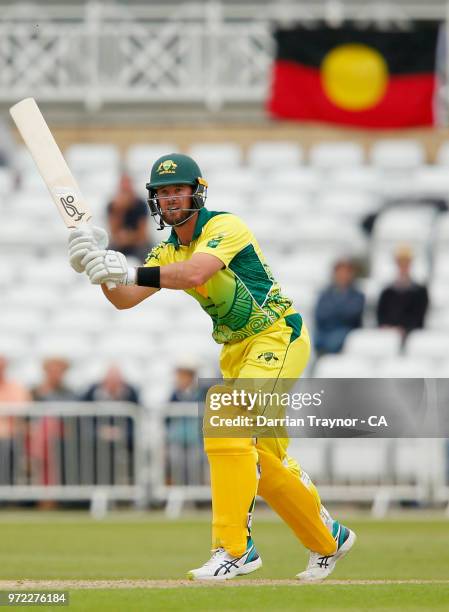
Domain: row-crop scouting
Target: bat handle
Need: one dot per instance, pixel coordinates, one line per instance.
(111, 285)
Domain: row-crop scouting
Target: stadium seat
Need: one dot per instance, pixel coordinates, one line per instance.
(406, 224)
(27, 372)
(69, 344)
(326, 232)
(312, 456)
(427, 344)
(90, 159)
(360, 461)
(304, 180)
(50, 272)
(442, 157)
(406, 367)
(331, 155)
(139, 158)
(397, 154)
(361, 178)
(35, 296)
(288, 206)
(21, 320)
(349, 203)
(6, 181)
(442, 236)
(216, 156)
(226, 181)
(86, 320)
(265, 155)
(431, 181)
(344, 366)
(14, 346)
(375, 343)
(126, 345)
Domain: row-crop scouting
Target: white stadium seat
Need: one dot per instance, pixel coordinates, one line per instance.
(216, 156)
(349, 203)
(84, 159)
(442, 157)
(72, 345)
(431, 181)
(14, 346)
(331, 155)
(304, 180)
(139, 158)
(6, 181)
(427, 344)
(375, 343)
(35, 296)
(397, 154)
(126, 345)
(311, 454)
(406, 367)
(266, 155)
(344, 366)
(87, 321)
(356, 460)
(226, 181)
(23, 320)
(362, 178)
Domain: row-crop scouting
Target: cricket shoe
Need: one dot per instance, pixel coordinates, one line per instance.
(223, 566)
(320, 566)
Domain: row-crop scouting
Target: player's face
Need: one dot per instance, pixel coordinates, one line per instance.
(175, 202)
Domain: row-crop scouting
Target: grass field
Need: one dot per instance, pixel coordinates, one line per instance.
(78, 551)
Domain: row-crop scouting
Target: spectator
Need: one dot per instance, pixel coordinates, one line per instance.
(113, 388)
(11, 427)
(186, 382)
(52, 387)
(339, 309)
(47, 433)
(186, 462)
(128, 221)
(403, 304)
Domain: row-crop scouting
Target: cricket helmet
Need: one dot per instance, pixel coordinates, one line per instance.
(175, 169)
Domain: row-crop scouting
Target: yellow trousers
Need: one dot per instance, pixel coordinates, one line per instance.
(242, 467)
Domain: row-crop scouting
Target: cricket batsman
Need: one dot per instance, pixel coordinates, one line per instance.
(215, 258)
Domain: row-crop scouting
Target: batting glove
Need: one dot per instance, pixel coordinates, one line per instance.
(108, 267)
(84, 240)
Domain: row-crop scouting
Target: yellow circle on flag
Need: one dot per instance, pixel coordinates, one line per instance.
(354, 76)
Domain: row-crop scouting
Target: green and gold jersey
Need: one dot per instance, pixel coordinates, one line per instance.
(242, 298)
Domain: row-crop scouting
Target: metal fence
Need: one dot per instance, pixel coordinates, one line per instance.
(101, 452)
(72, 451)
(209, 53)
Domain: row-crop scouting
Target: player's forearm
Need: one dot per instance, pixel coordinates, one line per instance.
(183, 275)
(124, 297)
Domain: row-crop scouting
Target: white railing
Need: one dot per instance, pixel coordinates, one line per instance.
(377, 472)
(90, 451)
(103, 452)
(208, 53)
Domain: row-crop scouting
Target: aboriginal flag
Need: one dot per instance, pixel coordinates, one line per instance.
(362, 77)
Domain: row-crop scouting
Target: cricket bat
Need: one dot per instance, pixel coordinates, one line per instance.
(51, 164)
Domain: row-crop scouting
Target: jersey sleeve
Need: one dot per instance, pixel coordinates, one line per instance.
(158, 256)
(224, 236)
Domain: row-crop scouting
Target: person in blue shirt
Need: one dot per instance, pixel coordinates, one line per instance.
(339, 309)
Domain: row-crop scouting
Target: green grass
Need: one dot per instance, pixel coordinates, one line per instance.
(77, 548)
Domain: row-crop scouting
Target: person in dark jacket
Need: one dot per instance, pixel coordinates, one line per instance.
(339, 309)
(403, 304)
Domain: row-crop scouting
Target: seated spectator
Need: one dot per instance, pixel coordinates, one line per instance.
(128, 221)
(52, 387)
(46, 446)
(113, 388)
(339, 309)
(403, 304)
(186, 382)
(186, 462)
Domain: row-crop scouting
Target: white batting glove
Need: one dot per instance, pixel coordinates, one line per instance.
(108, 267)
(82, 241)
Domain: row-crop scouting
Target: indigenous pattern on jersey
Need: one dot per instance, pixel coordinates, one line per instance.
(242, 298)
